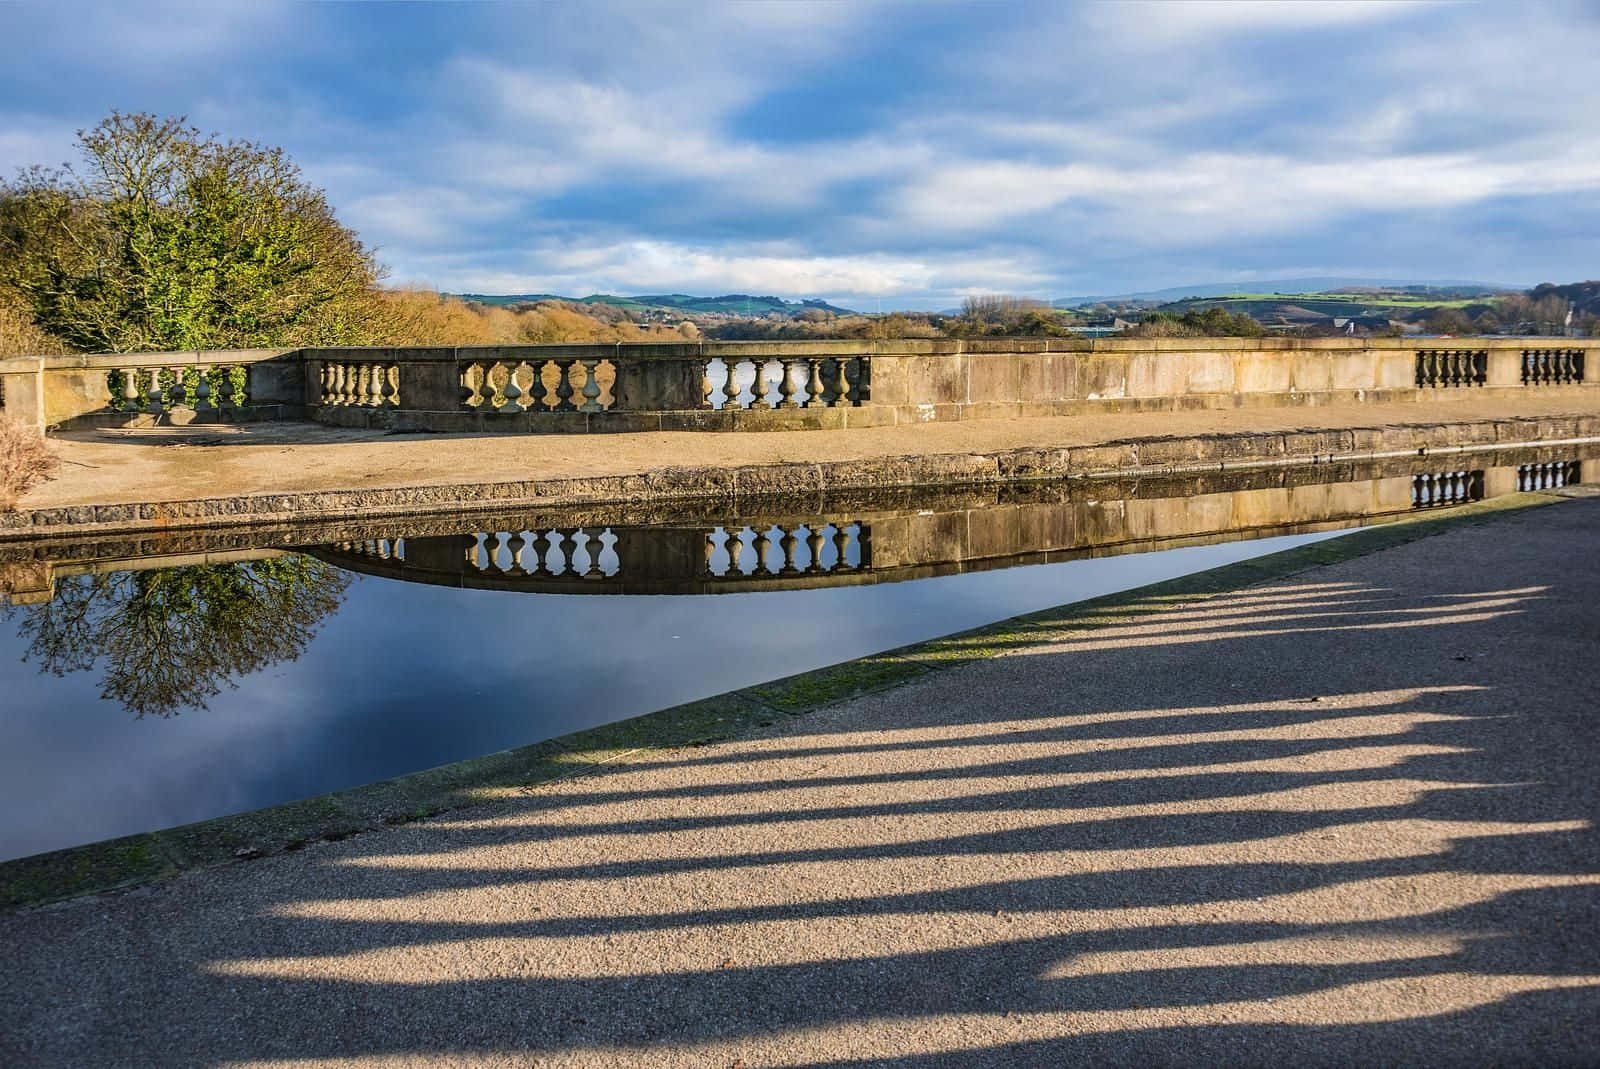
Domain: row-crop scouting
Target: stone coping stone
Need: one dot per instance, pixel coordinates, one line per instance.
(135, 860)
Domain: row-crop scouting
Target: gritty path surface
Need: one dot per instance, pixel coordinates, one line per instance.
(1346, 819)
(164, 464)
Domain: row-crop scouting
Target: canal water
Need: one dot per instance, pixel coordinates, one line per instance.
(154, 682)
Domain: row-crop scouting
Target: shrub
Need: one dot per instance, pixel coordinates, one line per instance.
(24, 460)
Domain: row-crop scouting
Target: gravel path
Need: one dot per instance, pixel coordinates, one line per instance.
(171, 464)
(1347, 819)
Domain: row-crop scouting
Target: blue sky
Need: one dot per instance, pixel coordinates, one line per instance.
(877, 154)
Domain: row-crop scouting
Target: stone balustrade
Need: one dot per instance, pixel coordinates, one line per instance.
(773, 385)
(1438, 489)
(1447, 368)
(1552, 367)
(1548, 475)
(817, 548)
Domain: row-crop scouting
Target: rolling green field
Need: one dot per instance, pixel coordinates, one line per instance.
(1372, 300)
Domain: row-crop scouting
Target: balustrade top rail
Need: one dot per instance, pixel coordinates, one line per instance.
(769, 384)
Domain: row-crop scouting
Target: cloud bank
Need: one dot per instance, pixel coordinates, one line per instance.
(881, 154)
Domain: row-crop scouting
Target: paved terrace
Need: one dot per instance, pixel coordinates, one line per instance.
(219, 461)
(1344, 818)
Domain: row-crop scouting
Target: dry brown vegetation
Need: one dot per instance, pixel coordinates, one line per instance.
(423, 317)
(24, 460)
(18, 334)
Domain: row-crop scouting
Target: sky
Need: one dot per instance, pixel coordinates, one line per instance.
(879, 155)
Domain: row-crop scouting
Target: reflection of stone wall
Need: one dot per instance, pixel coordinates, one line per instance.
(665, 547)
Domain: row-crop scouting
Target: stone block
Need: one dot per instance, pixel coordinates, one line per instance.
(1035, 464)
(996, 378)
(1104, 459)
(778, 479)
(1352, 370)
(891, 380)
(1265, 507)
(1209, 372)
(936, 380)
(873, 415)
(703, 419)
(1102, 377)
(620, 422)
(1312, 372)
(1263, 372)
(1394, 370)
(990, 410)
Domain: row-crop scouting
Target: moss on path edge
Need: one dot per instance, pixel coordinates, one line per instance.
(140, 859)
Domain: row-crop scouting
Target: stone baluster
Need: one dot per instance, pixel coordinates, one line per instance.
(814, 543)
(847, 384)
(758, 386)
(132, 400)
(707, 389)
(202, 389)
(760, 545)
(711, 549)
(525, 377)
(787, 544)
(786, 385)
(156, 395)
(864, 540)
(178, 392)
(730, 383)
(841, 546)
(591, 387)
(814, 397)
(471, 383)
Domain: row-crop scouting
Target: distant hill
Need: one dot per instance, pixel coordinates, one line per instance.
(1293, 286)
(733, 304)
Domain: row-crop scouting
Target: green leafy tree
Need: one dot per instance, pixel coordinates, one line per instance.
(164, 239)
(171, 639)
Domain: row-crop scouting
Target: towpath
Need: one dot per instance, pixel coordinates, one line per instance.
(177, 464)
(1348, 817)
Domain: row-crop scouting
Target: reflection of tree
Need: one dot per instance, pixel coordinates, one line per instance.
(172, 638)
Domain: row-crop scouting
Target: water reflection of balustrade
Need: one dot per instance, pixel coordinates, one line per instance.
(351, 384)
(1550, 476)
(538, 385)
(1443, 368)
(205, 389)
(800, 549)
(1552, 367)
(390, 549)
(1436, 489)
(804, 382)
(546, 554)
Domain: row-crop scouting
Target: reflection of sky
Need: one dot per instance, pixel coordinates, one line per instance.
(406, 676)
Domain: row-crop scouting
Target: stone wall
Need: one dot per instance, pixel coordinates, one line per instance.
(778, 385)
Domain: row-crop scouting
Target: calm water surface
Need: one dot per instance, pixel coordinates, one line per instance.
(356, 677)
